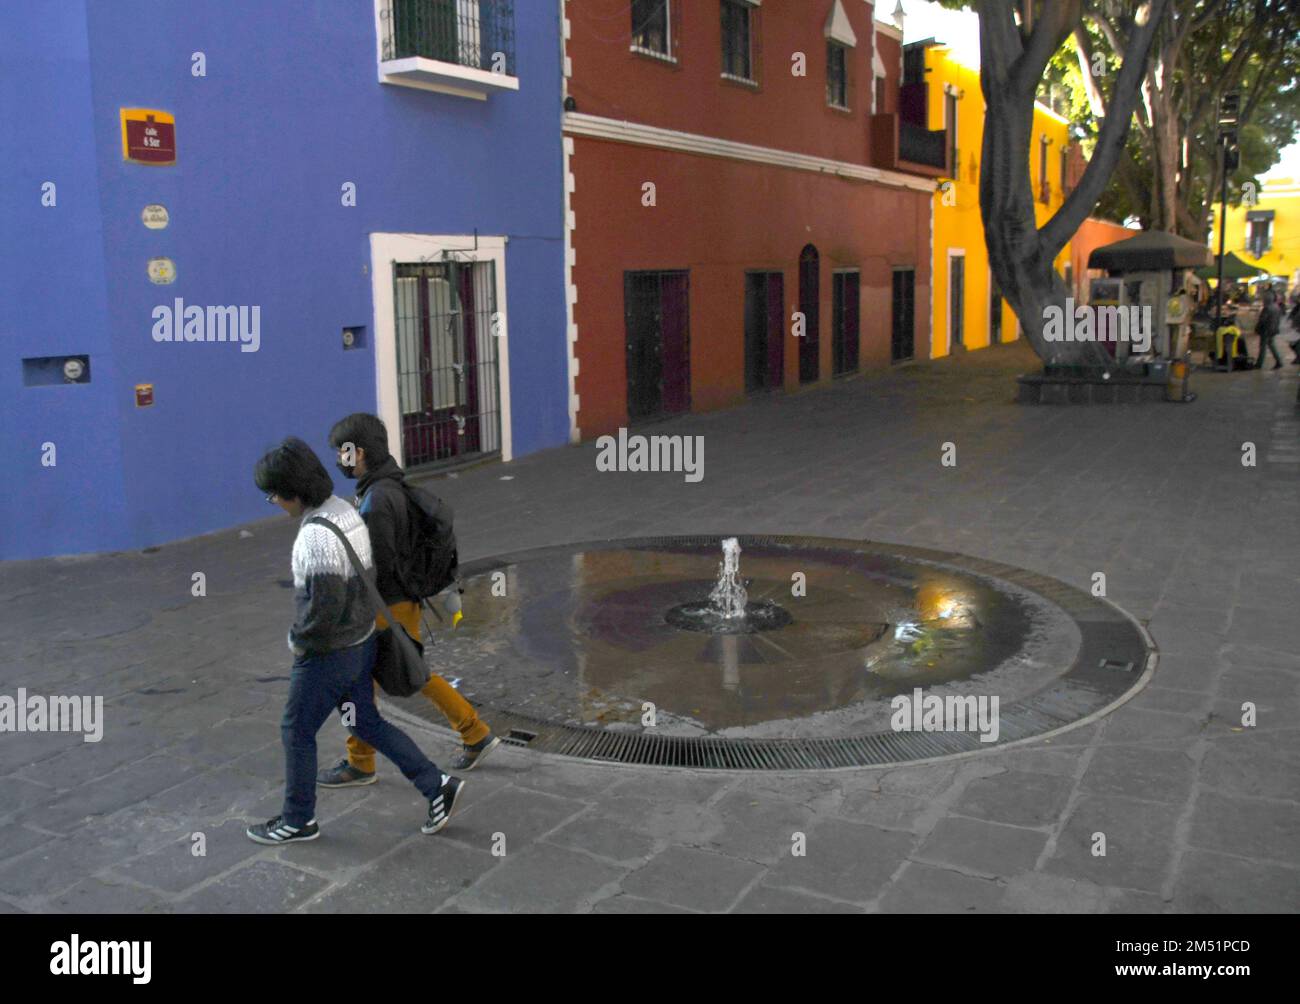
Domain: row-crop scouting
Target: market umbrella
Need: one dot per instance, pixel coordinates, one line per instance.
(1149, 251)
(1233, 268)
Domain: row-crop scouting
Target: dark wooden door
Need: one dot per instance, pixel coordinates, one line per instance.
(844, 321)
(764, 331)
(656, 316)
(810, 307)
(903, 315)
(957, 301)
(675, 337)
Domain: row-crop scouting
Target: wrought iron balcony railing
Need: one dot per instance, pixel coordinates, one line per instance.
(479, 34)
(922, 146)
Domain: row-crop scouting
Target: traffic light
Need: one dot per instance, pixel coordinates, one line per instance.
(1229, 107)
(1231, 151)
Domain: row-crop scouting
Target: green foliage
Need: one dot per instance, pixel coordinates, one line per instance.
(1268, 32)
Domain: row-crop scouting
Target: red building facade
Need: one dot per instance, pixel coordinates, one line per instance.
(742, 213)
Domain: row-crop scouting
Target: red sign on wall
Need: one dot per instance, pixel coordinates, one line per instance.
(148, 136)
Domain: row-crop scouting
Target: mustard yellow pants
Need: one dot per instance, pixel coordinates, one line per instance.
(459, 713)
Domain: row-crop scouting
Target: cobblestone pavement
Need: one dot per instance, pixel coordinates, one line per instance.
(1199, 812)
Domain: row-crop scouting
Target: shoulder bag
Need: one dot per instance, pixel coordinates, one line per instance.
(399, 660)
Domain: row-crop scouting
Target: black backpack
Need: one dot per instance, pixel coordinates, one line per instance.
(432, 560)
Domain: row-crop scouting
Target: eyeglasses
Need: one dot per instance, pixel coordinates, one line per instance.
(273, 498)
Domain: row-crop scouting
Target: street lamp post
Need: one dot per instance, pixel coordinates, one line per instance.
(1228, 107)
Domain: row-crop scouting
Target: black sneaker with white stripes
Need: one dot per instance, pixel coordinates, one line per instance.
(277, 831)
(443, 804)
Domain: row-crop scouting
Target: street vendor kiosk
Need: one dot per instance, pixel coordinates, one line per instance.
(1151, 271)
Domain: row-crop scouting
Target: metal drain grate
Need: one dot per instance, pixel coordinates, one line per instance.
(1034, 716)
(816, 753)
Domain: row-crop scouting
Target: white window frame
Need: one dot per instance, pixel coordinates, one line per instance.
(877, 72)
(751, 81)
(847, 94)
(954, 143)
(388, 249)
(670, 56)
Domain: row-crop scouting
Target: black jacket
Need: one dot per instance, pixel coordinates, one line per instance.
(1269, 322)
(387, 511)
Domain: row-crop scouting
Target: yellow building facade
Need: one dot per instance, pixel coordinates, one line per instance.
(968, 310)
(1265, 230)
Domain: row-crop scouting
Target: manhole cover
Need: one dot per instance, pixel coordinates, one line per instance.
(858, 653)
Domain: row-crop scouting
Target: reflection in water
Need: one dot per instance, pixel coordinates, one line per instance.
(585, 638)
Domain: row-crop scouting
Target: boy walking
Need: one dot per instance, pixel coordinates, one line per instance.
(333, 642)
(362, 443)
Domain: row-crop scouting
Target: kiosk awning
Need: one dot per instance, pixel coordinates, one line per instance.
(1150, 251)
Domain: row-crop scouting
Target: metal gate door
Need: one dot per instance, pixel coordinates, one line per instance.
(656, 314)
(447, 378)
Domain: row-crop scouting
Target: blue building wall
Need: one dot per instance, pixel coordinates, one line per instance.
(289, 110)
(52, 294)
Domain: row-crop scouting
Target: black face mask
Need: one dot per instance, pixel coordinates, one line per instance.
(348, 472)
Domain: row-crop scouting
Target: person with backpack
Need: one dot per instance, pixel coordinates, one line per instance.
(414, 555)
(334, 643)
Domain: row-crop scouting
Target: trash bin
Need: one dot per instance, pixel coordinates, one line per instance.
(1179, 375)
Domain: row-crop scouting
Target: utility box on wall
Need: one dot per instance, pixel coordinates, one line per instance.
(48, 371)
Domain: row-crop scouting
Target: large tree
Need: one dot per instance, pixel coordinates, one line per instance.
(1170, 169)
(1017, 40)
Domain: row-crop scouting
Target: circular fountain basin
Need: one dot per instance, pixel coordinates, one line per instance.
(564, 645)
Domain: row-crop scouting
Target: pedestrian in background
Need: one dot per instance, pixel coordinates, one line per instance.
(1267, 327)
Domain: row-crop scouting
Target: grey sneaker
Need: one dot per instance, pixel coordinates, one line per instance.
(344, 775)
(471, 755)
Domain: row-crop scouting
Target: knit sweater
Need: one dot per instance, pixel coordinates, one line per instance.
(332, 608)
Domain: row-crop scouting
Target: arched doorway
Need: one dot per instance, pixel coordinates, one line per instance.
(809, 306)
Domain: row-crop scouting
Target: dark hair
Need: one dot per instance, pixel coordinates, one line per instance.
(293, 471)
(365, 432)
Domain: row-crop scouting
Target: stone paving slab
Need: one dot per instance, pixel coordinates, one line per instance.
(1200, 812)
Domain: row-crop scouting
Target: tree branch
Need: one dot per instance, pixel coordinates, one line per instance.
(1111, 34)
(1083, 49)
(1110, 143)
(1052, 28)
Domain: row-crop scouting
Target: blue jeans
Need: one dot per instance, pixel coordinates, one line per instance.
(319, 684)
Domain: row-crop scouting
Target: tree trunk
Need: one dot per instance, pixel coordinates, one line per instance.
(1016, 254)
(1166, 162)
(1020, 255)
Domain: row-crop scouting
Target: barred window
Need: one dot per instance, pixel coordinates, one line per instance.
(650, 27)
(837, 75)
(737, 40)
